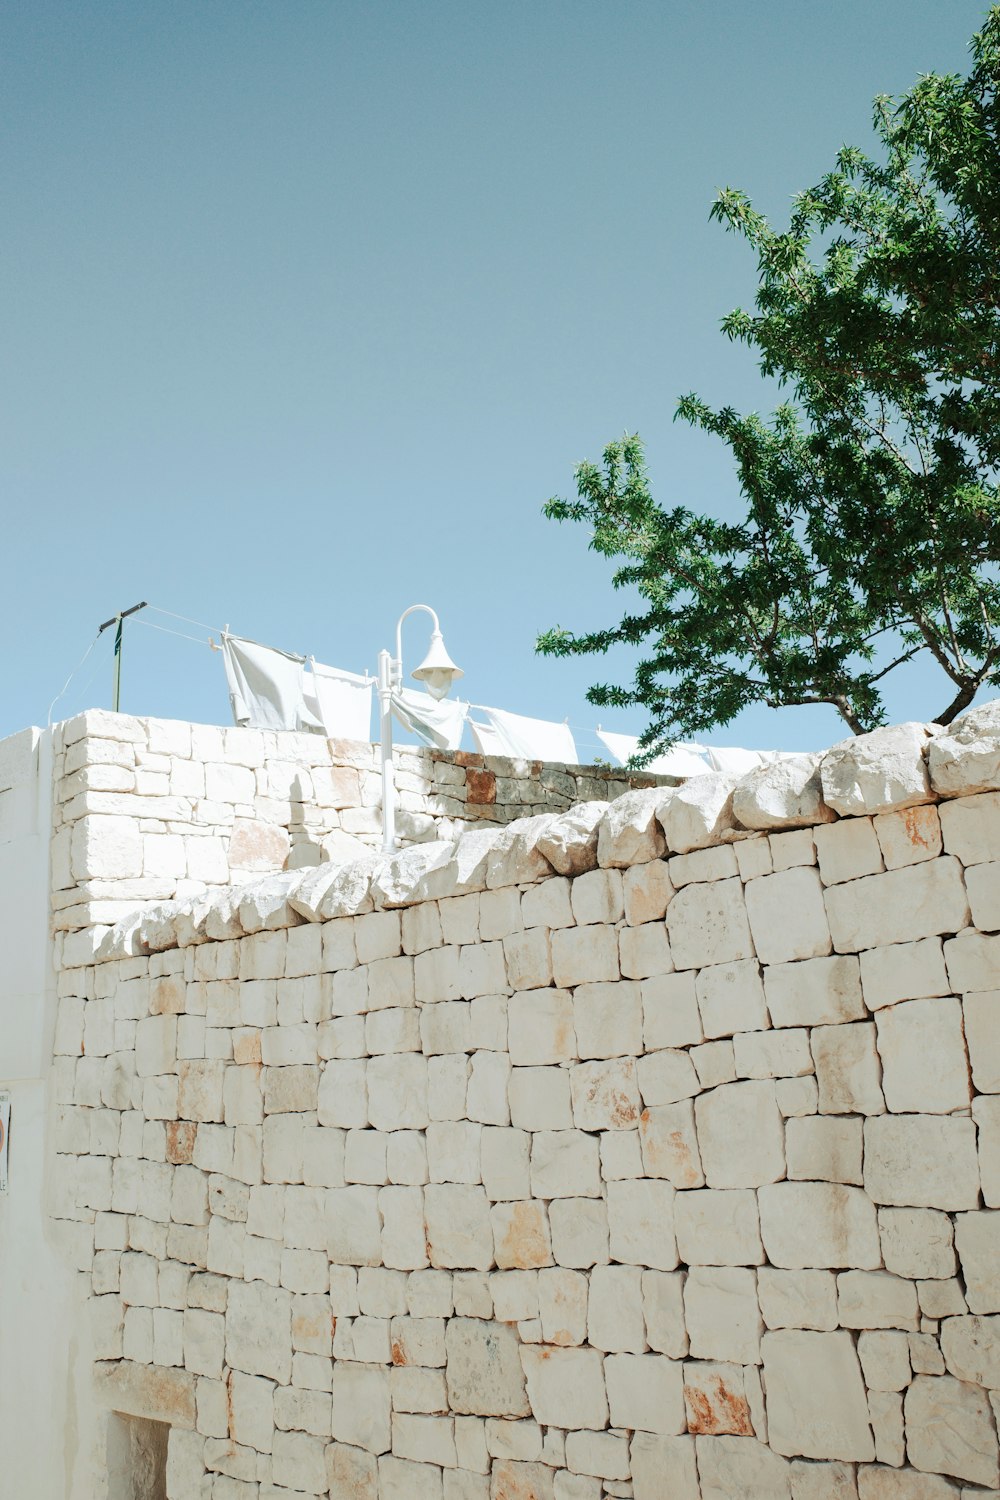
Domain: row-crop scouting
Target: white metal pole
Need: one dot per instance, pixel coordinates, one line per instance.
(388, 780)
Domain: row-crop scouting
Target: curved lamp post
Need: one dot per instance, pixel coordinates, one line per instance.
(437, 672)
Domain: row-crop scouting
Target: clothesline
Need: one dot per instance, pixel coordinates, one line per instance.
(274, 689)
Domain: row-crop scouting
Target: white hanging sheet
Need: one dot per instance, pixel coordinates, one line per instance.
(341, 701)
(682, 760)
(735, 761)
(437, 723)
(530, 739)
(267, 687)
(488, 740)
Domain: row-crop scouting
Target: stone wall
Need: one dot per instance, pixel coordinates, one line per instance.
(646, 1151)
(149, 809)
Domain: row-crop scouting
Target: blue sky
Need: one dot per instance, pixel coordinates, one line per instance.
(308, 309)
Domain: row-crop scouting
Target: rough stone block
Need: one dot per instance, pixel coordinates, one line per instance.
(903, 971)
(540, 1027)
(921, 1161)
(698, 812)
(731, 998)
(484, 1372)
(707, 924)
(847, 1069)
(645, 1393)
(787, 916)
(565, 1386)
(783, 794)
(816, 992)
(847, 850)
(878, 772)
(818, 1225)
(740, 1134)
(722, 1314)
(950, 1429)
(898, 907)
(922, 1049)
(629, 832)
(817, 1405)
(977, 1240)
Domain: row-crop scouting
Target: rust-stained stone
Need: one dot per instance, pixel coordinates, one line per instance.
(181, 1136)
(151, 1391)
(482, 787)
(715, 1401)
(167, 995)
(256, 845)
(521, 1235)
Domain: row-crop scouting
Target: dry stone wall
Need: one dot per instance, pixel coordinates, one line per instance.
(151, 809)
(647, 1150)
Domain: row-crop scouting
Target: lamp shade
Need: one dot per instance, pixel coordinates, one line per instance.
(437, 671)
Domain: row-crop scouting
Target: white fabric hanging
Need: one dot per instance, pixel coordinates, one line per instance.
(341, 701)
(736, 761)
(267, 687)
(531, 739)
(682, 760)
(437, 723)
(488, 740)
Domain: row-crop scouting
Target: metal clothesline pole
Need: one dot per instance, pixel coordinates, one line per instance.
(118, 621)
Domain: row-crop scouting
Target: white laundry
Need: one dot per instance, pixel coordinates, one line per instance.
(488, 740)
(736, 761)
(681, 760)
(267, 688)
(530, 739)
(341, 701)
(435, 722)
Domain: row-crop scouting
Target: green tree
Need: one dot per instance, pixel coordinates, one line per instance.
(872, 526)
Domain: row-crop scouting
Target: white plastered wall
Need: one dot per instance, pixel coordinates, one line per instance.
(43, 1343)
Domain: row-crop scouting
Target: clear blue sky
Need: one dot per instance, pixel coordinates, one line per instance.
(307, 308)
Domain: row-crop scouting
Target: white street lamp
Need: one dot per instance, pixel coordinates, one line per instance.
(437, 672)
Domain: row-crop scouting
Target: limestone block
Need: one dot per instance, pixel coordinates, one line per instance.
(740, 1134)
(490, 1079)
(608, 1021)
(922, 1049)
(521, 1235)
(645, 951)
(784, 794)
(665, 1077)
(570, 841)
(977, 1240)
(722, 1314)
(582, 955)
(597, 897)
(483, 1369)
(773, 1054)
(877, 1483)
(970, 828)
(986, 1113)
(878, 772)
(715, 1399)
(343, 1093)
(579, 1229)
(731, 1466)
(917, 1242)
(898, 907)
(663, 1310)
(983, 885)
(258, 1330)
(528, 956)
(707, 924)
(251, 1407)
(351, 1472)
(816, 1402)
(346, 894)
(797, 1299)
(354, 1226)
(361, 1406)
(731, 998)
(718, 863)
(648, 891)
(664, 1465)
(453, 1148)
(605, 1095)
(505, 1163)
(973, 961)
(669, 1145)
(200, 1089)
(908, 838)
(105, 847)
(718, 1228)
(847, 850)
(885, 1360)
(971, 1348)
(514, 857)
(629, 833)
(565, 1164)
(156, 1045)
(645, 1393)
(877, 1299)
(903, 971)
(459, 1233)
(848, 1071)
(670, 1014)
(641, 1223)
(397, 1091)
(540, 1098)
(699, 812)
(966, 757)
(787, 916)
(614, 1311)
(818, 1224)
(921, 1161)
(950, 1430)
(540, 1027)
(982, 1032)
(816, 992)
(565, 1386)
(824, 1150)
(413, 874)
(562, 1305)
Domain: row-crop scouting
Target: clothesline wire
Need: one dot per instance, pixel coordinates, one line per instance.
(69, 679)
(181, 636)
(186, 618)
